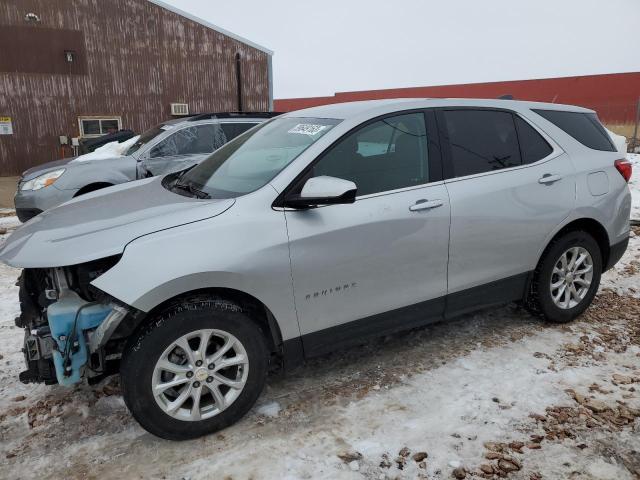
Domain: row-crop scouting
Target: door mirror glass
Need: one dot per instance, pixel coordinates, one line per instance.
(323, 190)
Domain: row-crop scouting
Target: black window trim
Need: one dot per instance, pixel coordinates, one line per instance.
(434, 153)
(447, 164)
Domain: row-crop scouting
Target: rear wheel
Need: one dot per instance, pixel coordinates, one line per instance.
(196, 368)
(567, 278)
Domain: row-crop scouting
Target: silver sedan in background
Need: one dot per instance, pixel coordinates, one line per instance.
(168, 147)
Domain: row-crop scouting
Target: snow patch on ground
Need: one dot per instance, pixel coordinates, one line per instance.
(109, 150)
(270, 409)
(634, 185)
(623, 279)
(618, 140)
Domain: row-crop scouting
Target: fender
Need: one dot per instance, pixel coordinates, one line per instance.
(223, 251)
(111, 170)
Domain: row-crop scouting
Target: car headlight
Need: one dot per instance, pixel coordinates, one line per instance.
(43, 180)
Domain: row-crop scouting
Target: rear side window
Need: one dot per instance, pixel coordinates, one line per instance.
(481, 141)
(584, 127)
(532, 146)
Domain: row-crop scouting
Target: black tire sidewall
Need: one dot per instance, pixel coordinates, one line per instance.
(145, 348)
(573, 239)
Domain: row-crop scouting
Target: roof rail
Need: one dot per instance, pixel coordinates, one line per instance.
(508, 96)
(207, 116)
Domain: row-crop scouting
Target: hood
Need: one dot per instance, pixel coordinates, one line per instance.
(77, 163)
(45, 167)
(102, 223)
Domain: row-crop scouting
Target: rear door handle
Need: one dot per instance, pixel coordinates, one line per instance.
(425, 205)
(547, 178)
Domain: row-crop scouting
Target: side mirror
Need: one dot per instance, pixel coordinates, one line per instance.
(323, 190)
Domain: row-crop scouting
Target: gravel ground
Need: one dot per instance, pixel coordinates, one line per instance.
(494, 394)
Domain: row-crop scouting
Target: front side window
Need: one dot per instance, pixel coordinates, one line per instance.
(194, 140)
(584, 127)
(481, 141)
(251, 160)
(385, 155)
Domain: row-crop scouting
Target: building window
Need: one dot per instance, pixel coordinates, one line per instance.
(96, 126)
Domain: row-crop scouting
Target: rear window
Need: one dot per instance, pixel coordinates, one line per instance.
(584, 127)
(532, 145)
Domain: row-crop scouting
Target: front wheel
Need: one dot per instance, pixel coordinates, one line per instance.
(195, 369)
(567, 278)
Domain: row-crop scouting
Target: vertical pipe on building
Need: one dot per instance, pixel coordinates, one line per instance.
(270, 80)
(239, 81)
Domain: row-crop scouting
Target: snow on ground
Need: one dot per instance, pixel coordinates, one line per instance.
(546, 401)
(109, 150)
(618, 140)
(634, 185)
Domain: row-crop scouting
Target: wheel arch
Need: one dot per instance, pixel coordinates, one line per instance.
(92, 187)
(586, 224)
(257, 310)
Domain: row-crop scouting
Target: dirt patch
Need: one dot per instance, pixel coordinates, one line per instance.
(606, 409)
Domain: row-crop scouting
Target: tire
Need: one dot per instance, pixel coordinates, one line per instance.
(540, 300)
(140, 368)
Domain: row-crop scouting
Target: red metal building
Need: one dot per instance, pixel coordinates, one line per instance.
(614, 96)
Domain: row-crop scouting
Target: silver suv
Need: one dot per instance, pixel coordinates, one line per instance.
(168, 147)
(311, 232)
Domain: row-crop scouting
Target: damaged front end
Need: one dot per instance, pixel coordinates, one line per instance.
(72, 329)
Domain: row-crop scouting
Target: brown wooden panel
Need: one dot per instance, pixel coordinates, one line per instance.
(140, 58)
(42, 50)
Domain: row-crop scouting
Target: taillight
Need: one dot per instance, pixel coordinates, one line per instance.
(625, 169)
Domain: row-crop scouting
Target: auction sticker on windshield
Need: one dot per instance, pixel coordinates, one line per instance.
(308, 129)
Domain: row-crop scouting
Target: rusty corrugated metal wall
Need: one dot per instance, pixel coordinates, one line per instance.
(140, 58)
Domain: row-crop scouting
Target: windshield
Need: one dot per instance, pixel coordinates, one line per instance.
(148, 136)
(253, 159)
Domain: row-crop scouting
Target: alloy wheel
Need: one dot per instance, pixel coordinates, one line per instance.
(200, 374)
(571, 277)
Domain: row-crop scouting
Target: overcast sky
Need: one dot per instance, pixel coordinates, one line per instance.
(338, 45)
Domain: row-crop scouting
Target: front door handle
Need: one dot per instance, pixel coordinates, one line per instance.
(547, 178)
(425, 205)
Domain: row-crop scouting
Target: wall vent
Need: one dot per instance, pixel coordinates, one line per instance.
(179, 109)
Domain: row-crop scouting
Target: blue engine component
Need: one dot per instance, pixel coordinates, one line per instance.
(68, 312)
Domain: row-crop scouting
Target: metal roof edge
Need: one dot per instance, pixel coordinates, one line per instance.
(199, 20)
